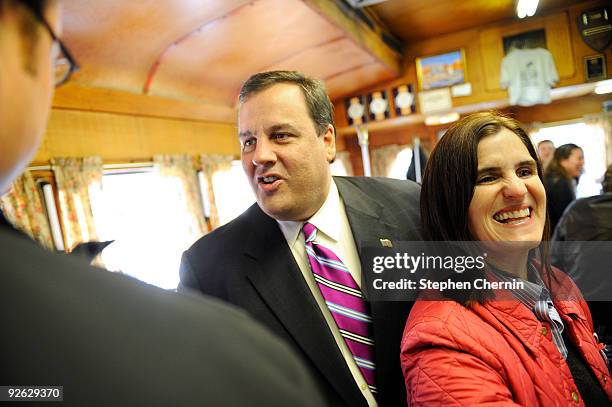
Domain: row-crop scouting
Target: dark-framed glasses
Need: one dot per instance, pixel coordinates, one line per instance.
(64, 64)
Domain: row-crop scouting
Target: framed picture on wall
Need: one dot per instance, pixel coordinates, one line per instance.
(378, 105)
(525, 40)
(404, 98)
(355, 110)
(595, 67)
(440, 71)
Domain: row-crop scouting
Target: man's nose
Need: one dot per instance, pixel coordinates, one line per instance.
(264, 153)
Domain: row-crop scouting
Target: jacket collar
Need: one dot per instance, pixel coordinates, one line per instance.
(365, 215)
(277, 278)
(279, 282)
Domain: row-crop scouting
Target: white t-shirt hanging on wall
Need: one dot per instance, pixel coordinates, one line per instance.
(528, 74)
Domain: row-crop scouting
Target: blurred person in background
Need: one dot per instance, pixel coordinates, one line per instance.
(560, 180)
(91, 252)
(546, 151)
(582, 247)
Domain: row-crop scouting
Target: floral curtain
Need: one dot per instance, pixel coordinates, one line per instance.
(74, 178)
(344, 157)
(181, 166)
(24, 208)
(383, 158)
(211, 164)
(604, 122)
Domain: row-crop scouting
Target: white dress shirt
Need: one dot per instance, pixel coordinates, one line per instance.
(334, 232)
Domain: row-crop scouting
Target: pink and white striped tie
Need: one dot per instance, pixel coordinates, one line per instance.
(345, 302)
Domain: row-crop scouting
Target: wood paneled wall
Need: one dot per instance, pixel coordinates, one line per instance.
(125, 138)
(482, 56)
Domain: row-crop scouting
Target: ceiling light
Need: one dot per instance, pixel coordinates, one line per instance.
(604, 87)
(441, 119)
(526, 8)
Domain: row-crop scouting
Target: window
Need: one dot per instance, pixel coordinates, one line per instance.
(146, 214)
(233, 193)
(338, 168)
(592, 142)
(399, 167)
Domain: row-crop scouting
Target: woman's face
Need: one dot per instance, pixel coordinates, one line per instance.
(509, 202)
(574, 163)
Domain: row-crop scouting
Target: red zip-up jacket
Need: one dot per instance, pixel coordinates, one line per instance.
(497, 353)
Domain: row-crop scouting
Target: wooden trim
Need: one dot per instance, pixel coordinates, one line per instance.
(153, 70)
(78, 97)
(367, 39)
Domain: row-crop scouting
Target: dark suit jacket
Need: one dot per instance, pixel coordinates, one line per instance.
(248, 263)
(110, 340)
(559, 194)
(582, 248)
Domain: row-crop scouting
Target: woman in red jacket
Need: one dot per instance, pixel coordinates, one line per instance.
(533, 346)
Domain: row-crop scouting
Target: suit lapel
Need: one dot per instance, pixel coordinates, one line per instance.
(365, 215)
(369, 224)
(280, 283)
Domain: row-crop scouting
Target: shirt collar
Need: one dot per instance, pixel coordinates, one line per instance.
(326, 219)
(532, 291)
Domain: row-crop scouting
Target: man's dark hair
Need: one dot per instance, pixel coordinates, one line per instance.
(33, 11)
(450, 178)
(607, 181)
(545, 142)
(319, 106)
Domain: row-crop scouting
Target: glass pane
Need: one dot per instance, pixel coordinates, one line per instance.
(146, 214)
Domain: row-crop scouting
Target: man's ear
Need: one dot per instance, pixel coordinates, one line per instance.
(329, 138)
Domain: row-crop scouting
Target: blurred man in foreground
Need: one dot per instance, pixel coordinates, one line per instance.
(106, 339)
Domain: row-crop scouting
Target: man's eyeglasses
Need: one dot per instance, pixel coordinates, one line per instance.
(64, 63)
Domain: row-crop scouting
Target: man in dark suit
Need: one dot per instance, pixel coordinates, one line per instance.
(263, 261)
(107, 339)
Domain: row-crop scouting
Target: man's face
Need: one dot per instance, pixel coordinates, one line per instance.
(546, 150)
(285, 160)
(26, 87)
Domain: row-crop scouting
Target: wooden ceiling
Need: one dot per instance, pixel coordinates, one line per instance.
(411, 20)
(193, 55)
(202, 51)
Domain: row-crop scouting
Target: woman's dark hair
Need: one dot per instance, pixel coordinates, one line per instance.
(450, 178)
(555, 169)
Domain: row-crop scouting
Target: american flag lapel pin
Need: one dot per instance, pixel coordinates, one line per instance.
(386, 243)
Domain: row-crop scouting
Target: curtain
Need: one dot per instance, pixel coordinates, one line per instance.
(344, 157)
(181, 166)
(604, 122)
(74, 178)
(210, 164)
(24, 208)
(383, 158)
